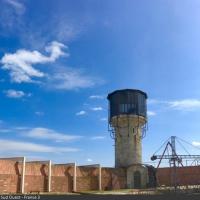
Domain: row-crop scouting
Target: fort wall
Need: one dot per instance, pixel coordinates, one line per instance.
(87, 177)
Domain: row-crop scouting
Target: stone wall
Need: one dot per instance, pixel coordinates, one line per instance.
(143, 176)
(128, 144)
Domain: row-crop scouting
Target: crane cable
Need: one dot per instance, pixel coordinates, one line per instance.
(188, 143)
(183, 147)
(162, 146)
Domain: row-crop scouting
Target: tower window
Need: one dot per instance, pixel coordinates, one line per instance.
(127, 108)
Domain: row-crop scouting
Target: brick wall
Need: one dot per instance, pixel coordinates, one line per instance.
(9, 177)
(112, 178)
(87, 178)
(36, 177)
(185, 176)
(106, 178)
(62, 178)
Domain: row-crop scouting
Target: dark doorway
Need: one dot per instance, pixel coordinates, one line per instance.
(137, 180)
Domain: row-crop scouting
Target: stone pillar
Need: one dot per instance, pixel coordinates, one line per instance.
(49, 177)
(74, 179)
(23, 175)
(100, 177)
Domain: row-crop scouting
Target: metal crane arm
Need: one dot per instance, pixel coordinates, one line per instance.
(154, 157)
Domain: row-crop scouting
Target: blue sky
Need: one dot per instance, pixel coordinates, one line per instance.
(60, 59)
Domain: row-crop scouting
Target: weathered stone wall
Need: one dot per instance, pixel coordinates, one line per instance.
(143, 173)
(128, 149)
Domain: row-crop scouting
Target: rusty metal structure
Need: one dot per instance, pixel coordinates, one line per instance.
(175, 160)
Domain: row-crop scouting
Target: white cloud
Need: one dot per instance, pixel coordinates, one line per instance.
(39, 113)
(16, 94)
(55, 50)
(66, 30)
(18, 6)
(48, 134)
(185, 104)
(70, 79)
(21, 128)
(97, 108)
(182, 105)
(196, 144)
(153, 101)
(97, 138)
(11, 16)
(104, 119)
(21, 69)
(89, 160)
(96, 97)
(82, 112)
(151, 113)
(18, 146)
(20, 63)
(4, 130)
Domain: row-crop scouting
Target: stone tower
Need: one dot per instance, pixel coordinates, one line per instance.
(127, 119)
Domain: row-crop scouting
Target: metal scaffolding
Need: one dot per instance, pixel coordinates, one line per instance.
(175, 159)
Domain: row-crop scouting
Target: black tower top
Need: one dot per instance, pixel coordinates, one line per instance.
(127, 101)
